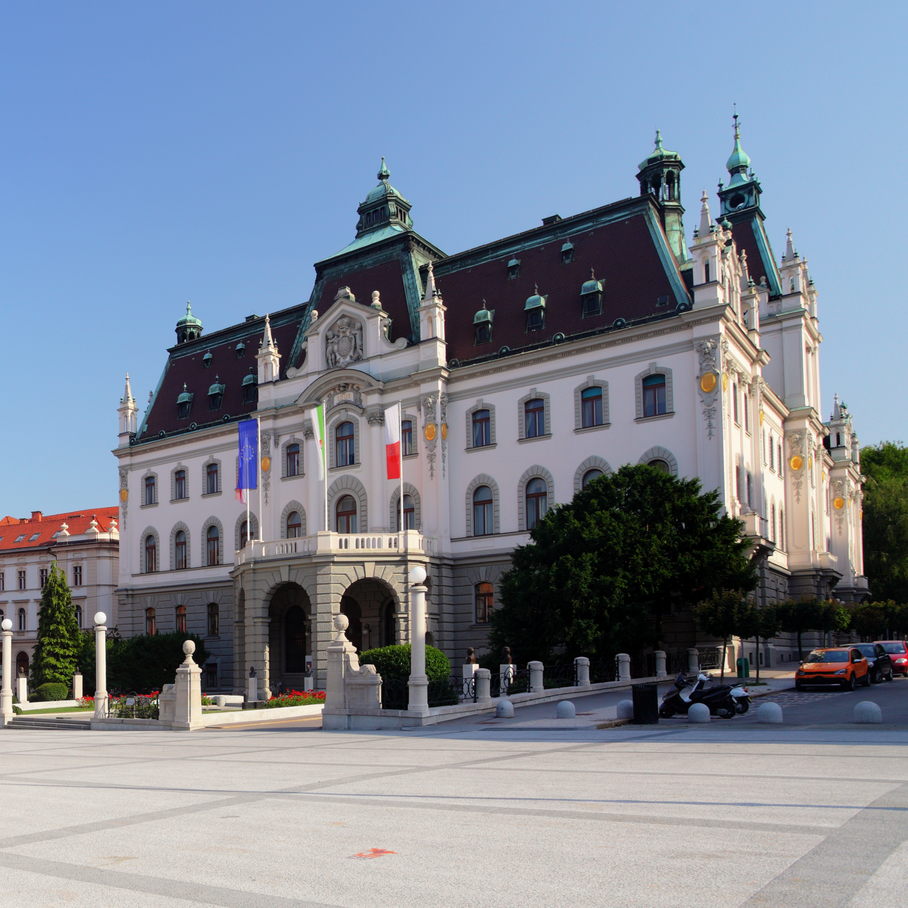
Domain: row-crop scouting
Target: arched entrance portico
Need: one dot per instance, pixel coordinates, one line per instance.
(290, 644)
(375, 614)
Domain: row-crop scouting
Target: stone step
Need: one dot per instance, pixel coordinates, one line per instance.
(57, 723)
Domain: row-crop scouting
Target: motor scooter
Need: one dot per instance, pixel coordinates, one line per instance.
(724, 701)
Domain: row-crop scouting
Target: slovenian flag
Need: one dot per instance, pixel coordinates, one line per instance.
(392, 441)
(318, 427)
(247, 477)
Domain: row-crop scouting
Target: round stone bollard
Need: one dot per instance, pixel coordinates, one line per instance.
(868, 713)
(698, 712)
(565, 710)
(504, 710)
(626, 709)
(770, 713)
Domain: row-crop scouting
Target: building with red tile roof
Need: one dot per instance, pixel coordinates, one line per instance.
(524, 367)
(85, 546)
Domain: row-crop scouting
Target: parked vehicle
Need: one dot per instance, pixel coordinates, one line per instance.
(878, 659)
(842, 665)
(723, 701)
(898, 651)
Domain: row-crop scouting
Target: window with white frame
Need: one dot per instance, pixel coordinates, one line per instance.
(484, 596)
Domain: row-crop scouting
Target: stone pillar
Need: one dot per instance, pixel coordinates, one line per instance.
(100, 666)
(536, 684)
(22, 689)
(483, 685)
(693, 660)
(660, 663)
(77, 686)
(188, 689)
(418, 684)
(624, 667)
(6, 693)
(582, 670)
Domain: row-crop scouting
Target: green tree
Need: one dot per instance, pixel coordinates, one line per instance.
(54, 657)
(811, 614)
(885, 524)
(146, 663)
(871, 619)
(601, 571)
(725, 614)
(762, 624)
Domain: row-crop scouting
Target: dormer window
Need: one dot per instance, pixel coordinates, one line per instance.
(482, 325)
(591, 296)
(249, 388)
(215, 395)
(535, 312)
(513, 269)
(567, 253)
(240, 350)
(184, 403)
(206, 360)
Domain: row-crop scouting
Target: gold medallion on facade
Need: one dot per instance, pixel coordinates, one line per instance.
(444, 431)
(266, 464)
(838, 503)
(124, 494)
(796, 462)
(430, 431)
(708, 382)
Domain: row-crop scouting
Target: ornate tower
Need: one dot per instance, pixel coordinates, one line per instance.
(741, 197)
(269, 360)
(188, 327)
(383, 208)
(128, 415)
(660, 176)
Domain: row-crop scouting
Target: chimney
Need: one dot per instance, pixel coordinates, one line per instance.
(37, 515)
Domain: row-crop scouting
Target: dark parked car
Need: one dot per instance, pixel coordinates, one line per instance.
(898, 652)
(878, 659)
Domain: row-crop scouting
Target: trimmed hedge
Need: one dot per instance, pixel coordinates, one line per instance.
(393, 662)
(52, 690)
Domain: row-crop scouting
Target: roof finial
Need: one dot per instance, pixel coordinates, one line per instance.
(267, 340)
(658, 138)
(384, 173)
(592, 274)
(705, 219)
(789, 246)
(430, 283)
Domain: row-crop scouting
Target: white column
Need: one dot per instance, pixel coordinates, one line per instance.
(536, 683)
(419, 684)
(77, 686)
(100, 666)
(6, 694)
(624, 667)
(660, 663)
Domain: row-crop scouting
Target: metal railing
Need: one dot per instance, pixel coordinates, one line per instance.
(395, 693)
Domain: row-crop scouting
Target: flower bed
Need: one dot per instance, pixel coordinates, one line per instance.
(296, 698)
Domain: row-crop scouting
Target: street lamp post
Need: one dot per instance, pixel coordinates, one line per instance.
(6, 694)
(419, 683)
(100, 666)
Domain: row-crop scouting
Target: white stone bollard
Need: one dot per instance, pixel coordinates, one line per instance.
(100, 666)
(504, 710)
(626, 709)
(22, 689)
(418, 683)
(188, 689)
(693, 660)
(6, 692)
(868, 713)
(771, 713)
(624, 667)
(660, 663)
(582, 670)
(77, 686)
(536, 684)
(565, 710)
(699, 713)
(483, 685)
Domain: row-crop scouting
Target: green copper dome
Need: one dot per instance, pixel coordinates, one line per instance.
(659, 154)
(739, 161)
(189, 318)
(483, 315)
(384, 188)
(536, 301)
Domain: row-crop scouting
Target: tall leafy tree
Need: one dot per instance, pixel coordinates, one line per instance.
(797, 616)
(885, 468)
(59, 641)
(601, 571)
(725, 614)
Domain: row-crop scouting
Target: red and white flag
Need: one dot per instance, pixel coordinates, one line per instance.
(392, 441)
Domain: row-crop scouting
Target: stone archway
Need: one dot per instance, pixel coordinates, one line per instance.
(375, 614)
(290, 642)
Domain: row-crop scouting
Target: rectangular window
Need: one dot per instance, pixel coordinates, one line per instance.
(42, 577)
(485, 602)
(746, 405)
(21, 578)
(179, 484)
(77, 575)
(2, 580)
(150, 484)
(534, 418)
(654, 395)
(482, 429)
(293, 460)
(734, 397)
(211, 478)
(406, 438)
(591, 407)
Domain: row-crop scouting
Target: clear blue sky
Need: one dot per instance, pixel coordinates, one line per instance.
(158, 153)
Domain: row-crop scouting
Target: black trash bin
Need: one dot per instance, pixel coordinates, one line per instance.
(646, 704)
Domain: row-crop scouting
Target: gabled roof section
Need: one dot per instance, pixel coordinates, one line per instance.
(623, 243)
(232, 358)
(750, 236)
(41, 530)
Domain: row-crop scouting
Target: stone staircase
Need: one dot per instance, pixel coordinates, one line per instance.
(54, 722)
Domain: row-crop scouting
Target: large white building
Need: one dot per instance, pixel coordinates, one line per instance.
(524, 367)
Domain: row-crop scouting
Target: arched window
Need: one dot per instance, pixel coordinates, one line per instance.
(22, 619)
(181, 619)
(214, 619)
(344, 449)
(244, 533)
(151, 627)
(346, 514)
(591, 407)
(78, 616)
(409, 514)
(179, 551)
(772, 523)
(482, 428)
(179, 484)
(294, 525)
(654, 395)
(151, 554)
(483, 512)
(293, 459)
(213, 545)
(661, 465)
(534, 418)
(781, 528)
(22, 664)
(211, 478)
(536, 501)
(485, 602)
(589, 476)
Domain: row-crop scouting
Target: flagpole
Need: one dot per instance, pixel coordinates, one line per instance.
(324, 456)
(400, 420)
(258, 474)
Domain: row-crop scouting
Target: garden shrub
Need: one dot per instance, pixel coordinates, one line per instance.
(52, 690)
(393, 662)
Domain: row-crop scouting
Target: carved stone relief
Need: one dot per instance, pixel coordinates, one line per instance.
(344, 343)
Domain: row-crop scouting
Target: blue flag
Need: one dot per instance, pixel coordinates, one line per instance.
(249, 454)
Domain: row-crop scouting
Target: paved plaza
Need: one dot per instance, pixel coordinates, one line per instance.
(479, 813)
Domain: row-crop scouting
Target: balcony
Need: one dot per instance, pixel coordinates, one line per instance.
(362, 544)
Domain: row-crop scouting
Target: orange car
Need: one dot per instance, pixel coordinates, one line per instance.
(842, 665)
